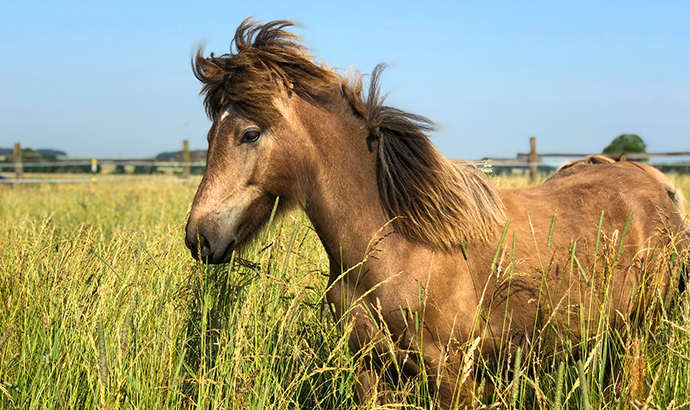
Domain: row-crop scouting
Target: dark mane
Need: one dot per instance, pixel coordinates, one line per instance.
(441, 205)
(433, 201)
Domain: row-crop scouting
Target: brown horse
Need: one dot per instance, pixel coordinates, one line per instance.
(408, 233)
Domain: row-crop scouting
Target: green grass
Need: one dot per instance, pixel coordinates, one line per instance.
(101, 306)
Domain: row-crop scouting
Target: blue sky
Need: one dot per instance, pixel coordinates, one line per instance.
(101, 79)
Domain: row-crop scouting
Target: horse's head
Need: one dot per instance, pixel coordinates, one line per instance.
(249, 165)
(279, 121)
(258, 146)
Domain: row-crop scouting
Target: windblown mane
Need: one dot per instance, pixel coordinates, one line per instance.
(440, 204)
(266, 58)
(431, 200)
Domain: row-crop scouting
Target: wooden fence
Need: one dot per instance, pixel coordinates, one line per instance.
(533, 159)
(94, 166)
(529, 161)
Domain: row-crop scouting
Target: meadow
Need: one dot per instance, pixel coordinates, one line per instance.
(101, 306)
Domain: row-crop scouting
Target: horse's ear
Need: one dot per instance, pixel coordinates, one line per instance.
(622, 158)
(213, 76)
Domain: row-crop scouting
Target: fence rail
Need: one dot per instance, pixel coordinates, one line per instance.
(18, 166)
(100, 162)
(531, 161)
(88, 180)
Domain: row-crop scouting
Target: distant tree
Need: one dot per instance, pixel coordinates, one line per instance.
(29, 154)
(626, 143)
(164, 156)
(43, 152)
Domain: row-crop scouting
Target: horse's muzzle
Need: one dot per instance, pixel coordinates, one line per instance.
(206, 243)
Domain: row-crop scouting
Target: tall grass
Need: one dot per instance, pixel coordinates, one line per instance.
(102, 307)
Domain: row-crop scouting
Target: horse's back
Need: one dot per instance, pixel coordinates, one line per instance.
(623, 191)
(617, 211)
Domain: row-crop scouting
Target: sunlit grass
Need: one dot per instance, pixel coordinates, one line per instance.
(101, 306)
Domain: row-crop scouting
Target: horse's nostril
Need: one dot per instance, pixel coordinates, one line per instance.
(206, 244)
(204, 247)
(198, 245)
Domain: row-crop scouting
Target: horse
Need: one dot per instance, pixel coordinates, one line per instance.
(408, 233)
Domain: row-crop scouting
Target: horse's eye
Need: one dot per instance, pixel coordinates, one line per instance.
(250, 136)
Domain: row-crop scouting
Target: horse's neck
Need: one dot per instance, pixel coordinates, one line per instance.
(343, 203)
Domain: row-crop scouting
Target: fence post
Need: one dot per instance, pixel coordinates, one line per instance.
(186, 158)
(17, 157)
(533, 159)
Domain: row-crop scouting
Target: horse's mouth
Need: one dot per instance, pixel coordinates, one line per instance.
(213, 258)
(218, 258)
(227, 255)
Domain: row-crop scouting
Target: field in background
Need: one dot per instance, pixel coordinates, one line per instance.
(101, 306)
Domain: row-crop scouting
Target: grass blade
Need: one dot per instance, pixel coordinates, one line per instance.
(584, 386)
(553, 225)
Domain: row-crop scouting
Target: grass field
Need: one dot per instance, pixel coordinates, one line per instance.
(101, 306)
